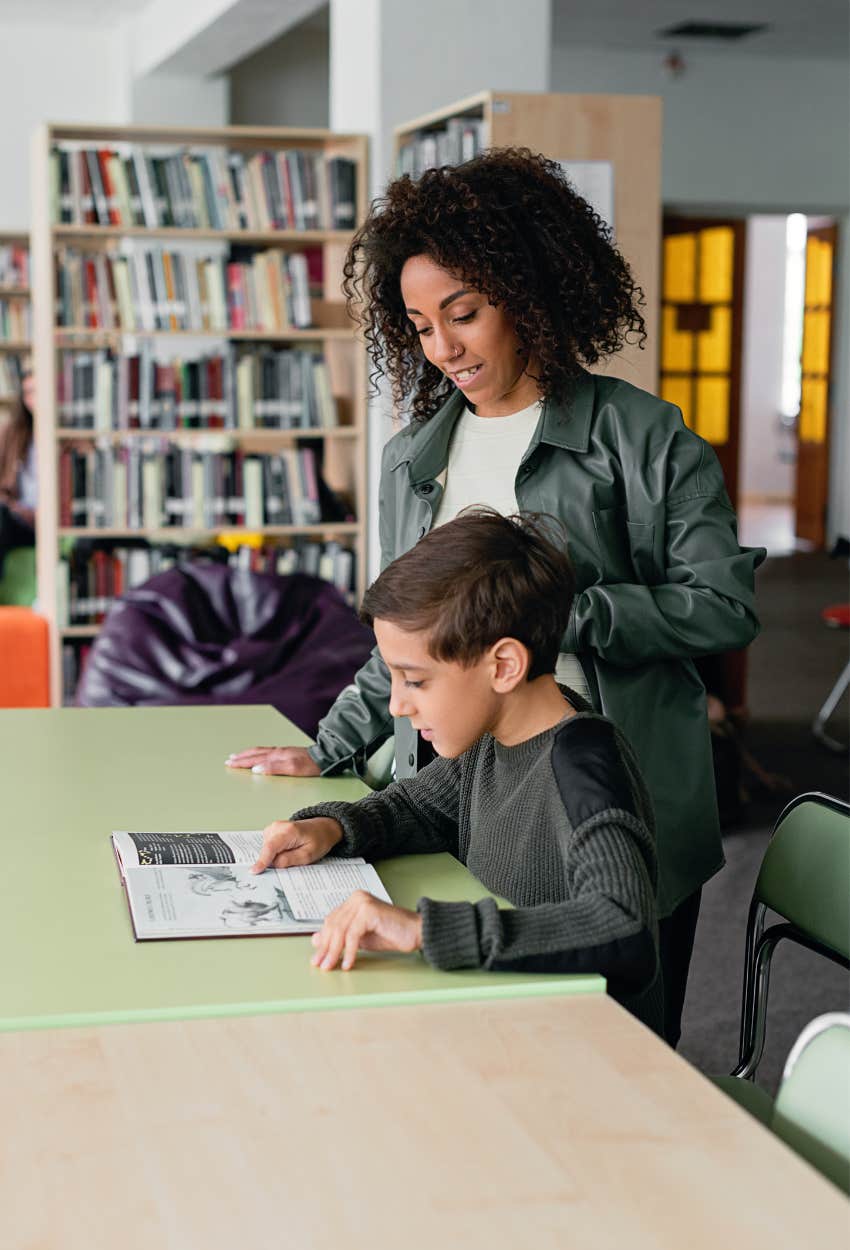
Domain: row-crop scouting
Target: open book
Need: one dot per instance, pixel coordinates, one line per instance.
(182, 885)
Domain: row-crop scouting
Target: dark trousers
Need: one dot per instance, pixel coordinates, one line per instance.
(675, 946)
(13, 533)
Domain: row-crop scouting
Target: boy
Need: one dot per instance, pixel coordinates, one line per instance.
(538, 795)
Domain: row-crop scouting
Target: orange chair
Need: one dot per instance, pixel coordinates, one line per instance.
(24, 663)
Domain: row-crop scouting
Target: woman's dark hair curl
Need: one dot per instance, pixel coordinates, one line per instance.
(508, 224)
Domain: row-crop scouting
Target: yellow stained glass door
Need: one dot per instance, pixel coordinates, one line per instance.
(701, 331)
(812, 487)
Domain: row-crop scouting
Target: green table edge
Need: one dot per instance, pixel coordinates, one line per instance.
(579, 984)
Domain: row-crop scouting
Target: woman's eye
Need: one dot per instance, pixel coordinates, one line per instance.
(423, 330)
(466, 317)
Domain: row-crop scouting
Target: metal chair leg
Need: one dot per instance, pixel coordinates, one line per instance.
(832, 700)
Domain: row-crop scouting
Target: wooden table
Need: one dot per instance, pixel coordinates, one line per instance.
(69, 777)
(533, 1123)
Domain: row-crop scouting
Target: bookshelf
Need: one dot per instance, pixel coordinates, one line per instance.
(226, 222)
(619, 131)
(15, 340)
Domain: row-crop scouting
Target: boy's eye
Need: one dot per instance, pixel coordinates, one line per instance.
(413, 685)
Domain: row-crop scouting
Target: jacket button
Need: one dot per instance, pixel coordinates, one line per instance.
(421, 533)
(426, 489)
(411, 759)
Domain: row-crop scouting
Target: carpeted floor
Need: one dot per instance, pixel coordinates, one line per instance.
(792, 666)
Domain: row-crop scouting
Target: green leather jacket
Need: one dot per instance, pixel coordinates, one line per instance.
(660, 578)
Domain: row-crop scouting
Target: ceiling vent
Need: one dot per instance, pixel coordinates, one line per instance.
(728, 31)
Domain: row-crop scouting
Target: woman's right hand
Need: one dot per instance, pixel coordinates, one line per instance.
(290, 842)
(280, 761)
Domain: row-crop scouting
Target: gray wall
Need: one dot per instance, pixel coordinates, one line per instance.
(286, 83)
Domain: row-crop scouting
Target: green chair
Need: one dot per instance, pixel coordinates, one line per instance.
(805, 878)
(17, 585)
(812, 1108)
(811, 1112)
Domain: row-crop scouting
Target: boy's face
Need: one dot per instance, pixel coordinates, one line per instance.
(451, 705)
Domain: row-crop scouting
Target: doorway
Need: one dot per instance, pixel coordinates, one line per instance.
(746, 334)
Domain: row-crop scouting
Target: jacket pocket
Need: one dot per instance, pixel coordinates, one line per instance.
(626, 548)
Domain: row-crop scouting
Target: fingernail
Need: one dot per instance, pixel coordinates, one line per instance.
(258, 768)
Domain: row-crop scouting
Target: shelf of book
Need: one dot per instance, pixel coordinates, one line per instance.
(257, 435)
(186, 234)
(253, 197)
(168, 534)
(611, 141)
(16, 347)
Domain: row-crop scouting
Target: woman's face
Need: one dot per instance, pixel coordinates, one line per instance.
(466, 336)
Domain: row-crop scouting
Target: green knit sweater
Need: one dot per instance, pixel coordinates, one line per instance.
(559, 825)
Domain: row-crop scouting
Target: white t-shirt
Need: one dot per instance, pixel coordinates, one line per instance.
(484, 456)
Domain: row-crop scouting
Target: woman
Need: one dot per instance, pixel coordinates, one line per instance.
(17, 475)
(484, 291)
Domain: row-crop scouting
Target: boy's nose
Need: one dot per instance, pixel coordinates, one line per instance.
(399, 702)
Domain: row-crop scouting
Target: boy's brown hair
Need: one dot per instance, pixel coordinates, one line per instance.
(477, 579)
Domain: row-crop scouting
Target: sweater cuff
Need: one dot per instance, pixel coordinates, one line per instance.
(341, 812)
(449, 934)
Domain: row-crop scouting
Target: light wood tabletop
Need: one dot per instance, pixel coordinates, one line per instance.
(536, 1123)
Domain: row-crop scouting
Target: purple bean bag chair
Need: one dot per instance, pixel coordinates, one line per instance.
(206, 633)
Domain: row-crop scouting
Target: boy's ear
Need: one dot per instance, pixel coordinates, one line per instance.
(510, 664)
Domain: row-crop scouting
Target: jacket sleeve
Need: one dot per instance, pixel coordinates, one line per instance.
(359, 719)
(704, 599)
(417, 816)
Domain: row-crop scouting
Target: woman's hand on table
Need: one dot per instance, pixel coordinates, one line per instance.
(364, 922)
(280, 761)
(287, 843)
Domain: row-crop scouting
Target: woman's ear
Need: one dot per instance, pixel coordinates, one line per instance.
(510, 662)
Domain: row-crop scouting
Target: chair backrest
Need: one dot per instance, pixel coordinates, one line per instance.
(24, 658)
(805, 873)
(812, 1108)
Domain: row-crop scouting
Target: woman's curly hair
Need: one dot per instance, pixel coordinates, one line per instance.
(508, 224)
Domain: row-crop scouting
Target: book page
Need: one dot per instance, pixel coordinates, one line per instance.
(194, 847)
(316, 889)
(224, 900)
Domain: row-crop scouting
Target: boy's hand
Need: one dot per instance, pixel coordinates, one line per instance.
(280, 761)
(366, 923)
(290, 842)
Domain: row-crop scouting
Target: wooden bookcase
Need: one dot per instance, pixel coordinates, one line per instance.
(344, 446)
(9, 292)
(624, 130)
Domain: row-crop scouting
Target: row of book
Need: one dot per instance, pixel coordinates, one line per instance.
(202, 188)
(15, 320)
(261, 389)
(14, 265)
(148, 484)
(154, 288)
(94, 574)
(459, 140)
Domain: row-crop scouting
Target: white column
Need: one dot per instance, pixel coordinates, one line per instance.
(393, 60)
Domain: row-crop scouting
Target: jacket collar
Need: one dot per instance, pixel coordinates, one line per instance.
(426, 449)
